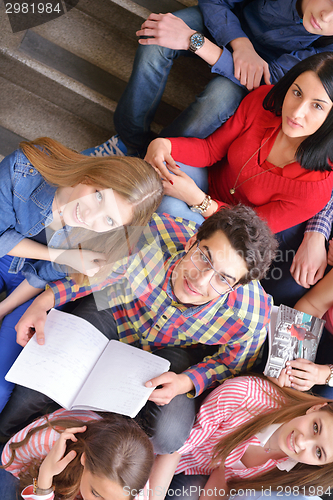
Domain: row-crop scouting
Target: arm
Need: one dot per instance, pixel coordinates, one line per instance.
(217, 484)
(167, 30)
(310, 261)
(302, 374)
(22, 293)
(84, 261)
(161, 475)
(57, 294)
(176, 183)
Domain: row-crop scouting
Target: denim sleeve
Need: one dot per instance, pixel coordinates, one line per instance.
(221, 22)
(283, 64)
(224, 66)
(9, 238)
(40, 273)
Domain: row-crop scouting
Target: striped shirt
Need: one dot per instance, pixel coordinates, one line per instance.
(229, 406)
(39, 446)
(146, 310)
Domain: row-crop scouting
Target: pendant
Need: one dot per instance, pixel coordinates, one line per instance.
(232, 191)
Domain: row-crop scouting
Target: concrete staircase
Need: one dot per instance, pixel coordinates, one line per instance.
(63, 79)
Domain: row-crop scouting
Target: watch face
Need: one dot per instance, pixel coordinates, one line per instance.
(196, 41)
(330, 382)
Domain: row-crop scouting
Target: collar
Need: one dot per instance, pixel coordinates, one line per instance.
(263, 436)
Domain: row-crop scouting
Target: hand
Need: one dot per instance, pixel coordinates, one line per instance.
(310, 261)
(304, 374)
(330, 253)
(33, 320)
(282, 380)
(56, 460)
(85, 261)
(167, 31)
(158, 152)
(183, 187)
(249, 67)
(172, 385)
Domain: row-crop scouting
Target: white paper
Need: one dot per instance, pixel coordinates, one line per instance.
(60, 366)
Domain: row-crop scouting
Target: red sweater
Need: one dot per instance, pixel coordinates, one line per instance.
(284, 197)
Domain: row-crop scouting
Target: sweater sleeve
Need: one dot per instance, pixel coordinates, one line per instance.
(206, 152)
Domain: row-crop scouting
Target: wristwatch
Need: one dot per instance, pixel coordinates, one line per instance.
(203, 207)
(329, 380)
(196, 41)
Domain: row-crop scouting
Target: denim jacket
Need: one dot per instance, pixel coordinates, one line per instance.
(26, 210)
(273, 26)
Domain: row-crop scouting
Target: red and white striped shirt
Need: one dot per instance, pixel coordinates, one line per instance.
(39, 446)
(229, 406)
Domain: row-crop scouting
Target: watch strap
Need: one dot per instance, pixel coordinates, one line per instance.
(203, 206)
(330, 377)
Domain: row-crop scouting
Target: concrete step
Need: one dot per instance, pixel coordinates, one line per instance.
(80, 63)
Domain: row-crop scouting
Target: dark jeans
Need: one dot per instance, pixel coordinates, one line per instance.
(279, 282)
(169, 425)
(8, 483)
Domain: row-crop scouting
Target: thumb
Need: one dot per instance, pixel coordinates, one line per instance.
(160, 380)
(40, 337)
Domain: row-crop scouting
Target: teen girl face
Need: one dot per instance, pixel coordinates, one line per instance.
(94, 487)
(318, 16)
(305, 106)
(97, 210)
(307, 439)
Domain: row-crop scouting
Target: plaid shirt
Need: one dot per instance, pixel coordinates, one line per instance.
(322, 222)
(146, 309)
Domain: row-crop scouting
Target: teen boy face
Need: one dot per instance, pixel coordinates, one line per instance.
(318, 16)
(194, 287)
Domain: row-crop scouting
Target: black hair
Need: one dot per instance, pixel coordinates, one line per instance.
(249, 235)
(316, 151)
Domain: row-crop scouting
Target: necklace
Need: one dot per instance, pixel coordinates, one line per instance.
(233, 189)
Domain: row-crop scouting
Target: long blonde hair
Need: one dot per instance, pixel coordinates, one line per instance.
(115, 447)
(292, 404)
(134, 179)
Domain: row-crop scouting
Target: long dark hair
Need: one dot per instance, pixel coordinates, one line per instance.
(316, 151)
(115, 447)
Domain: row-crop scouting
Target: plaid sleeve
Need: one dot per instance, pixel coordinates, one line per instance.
(66, 290)
(322, 222)
(242, 340)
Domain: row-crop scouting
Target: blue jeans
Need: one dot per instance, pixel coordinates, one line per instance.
(279, 282)
(178, 208)
(8, 483)
(143, 93)
(9, 349)
(168, 425)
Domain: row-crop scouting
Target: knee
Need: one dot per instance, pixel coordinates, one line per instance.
(172, 424)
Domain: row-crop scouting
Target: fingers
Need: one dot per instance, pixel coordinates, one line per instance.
(267, 75)
(67, 459)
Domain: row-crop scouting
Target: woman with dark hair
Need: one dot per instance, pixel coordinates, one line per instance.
(274, 154)
(79, 453)
(250, 434)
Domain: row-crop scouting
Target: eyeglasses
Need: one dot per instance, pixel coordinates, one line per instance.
(218, 282)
